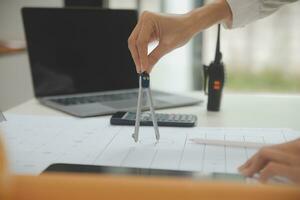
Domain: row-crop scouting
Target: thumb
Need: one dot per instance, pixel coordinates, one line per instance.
(155, 56)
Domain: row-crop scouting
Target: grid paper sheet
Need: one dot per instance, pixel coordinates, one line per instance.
(35, 142)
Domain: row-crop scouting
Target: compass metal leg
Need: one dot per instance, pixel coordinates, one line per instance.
(135, 135)
(154, 120)
(144, 85)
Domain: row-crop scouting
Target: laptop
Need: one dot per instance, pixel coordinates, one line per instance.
(80, 62)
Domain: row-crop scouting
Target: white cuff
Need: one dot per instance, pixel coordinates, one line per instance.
(244, 11)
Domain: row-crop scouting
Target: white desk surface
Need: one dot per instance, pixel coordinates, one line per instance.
(238, 110)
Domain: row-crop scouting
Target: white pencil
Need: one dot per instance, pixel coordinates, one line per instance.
(254, 145)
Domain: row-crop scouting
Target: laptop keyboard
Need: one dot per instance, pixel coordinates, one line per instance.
(94, 98)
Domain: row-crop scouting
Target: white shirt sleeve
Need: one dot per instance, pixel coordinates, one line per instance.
(247, 11)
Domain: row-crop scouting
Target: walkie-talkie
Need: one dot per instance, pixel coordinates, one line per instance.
(214, 74)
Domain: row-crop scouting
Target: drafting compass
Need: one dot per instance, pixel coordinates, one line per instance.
(144, 84)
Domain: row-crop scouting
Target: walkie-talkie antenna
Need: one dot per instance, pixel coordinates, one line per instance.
(218, 56)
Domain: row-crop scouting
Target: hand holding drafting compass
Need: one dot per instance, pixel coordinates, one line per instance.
(144, 83)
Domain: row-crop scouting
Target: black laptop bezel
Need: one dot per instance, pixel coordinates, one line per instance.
(29, 10)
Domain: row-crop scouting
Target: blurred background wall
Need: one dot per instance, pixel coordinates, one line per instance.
(261, 57)
(15, 78)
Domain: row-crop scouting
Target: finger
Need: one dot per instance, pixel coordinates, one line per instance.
(246, 164)
(135, 57)
(273, 169)
(284, 147)
(262, 158)
(289, 147)
(132, 47)
(143, 40)
(243, 169)
(155, 56)
(253, 158)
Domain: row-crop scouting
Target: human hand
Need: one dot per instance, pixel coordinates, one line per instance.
(277, 160)
(170, 31)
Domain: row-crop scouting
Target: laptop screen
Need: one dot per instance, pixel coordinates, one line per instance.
(79, 50)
